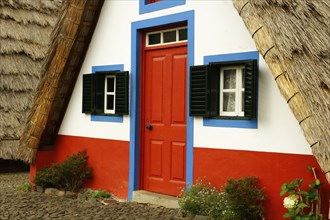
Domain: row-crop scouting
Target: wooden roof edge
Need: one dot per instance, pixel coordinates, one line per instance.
(54, 133)
(63, 44)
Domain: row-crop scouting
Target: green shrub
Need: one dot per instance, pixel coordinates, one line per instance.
(244, 198)
(98, 194)
(25, 187)
(68, 175)
(201, 199)
(236, 200)
(302, 202)
(48, 176)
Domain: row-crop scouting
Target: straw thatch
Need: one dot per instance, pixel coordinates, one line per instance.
(293, 36)
(42, 46)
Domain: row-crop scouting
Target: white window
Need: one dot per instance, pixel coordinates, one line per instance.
(232, 91)
(169, 36)
(109, 94)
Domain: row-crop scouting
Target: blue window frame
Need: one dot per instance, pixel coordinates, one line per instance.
(239, 123)
(107, 118)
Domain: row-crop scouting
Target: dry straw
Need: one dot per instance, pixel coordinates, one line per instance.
(63, 39)
(43, 44)
(26, 37)
(294, 39)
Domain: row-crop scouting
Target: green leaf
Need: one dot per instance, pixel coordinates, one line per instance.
(284, 186)
(292, 191)
(312, 185)
(292, 212)
(283, 192)
(318, 182)
(287, 215)
(302, 205)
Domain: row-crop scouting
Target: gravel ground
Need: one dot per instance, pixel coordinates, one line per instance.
(18, 205)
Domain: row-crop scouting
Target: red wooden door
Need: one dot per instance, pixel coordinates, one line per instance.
(164, 120)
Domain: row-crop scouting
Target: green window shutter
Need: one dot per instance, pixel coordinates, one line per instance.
(198, 91)
(99, 93)
(87, 93)
(122, 86)
(250, 97)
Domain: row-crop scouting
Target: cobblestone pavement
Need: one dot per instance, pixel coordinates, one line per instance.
(18, 205)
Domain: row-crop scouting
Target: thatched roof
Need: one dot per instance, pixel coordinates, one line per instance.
(294, 38)
(42, 46)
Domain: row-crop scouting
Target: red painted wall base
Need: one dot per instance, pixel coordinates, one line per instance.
(109, 160)
(273, 169)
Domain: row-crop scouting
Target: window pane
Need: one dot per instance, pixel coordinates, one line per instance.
(183, 34)
(154, 39)
(110, 84)
(229, 79)
(229, 102)
(169, 36)
(243, 78)
(242, 101)
(110, 99)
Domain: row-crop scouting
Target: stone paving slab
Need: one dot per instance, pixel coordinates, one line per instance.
(18, 205)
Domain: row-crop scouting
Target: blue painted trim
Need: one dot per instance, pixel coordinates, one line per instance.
(144, 7)
(107, 68)
(107, 118)
(136, 27)
(253, 123)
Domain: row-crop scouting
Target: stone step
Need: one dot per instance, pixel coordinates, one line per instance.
(143, 196)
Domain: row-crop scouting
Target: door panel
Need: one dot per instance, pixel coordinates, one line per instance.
(178, 92)
(156, 148)
(164, 120)
(156, 92)
(178, 159)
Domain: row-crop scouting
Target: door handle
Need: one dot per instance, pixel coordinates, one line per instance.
(149, 127)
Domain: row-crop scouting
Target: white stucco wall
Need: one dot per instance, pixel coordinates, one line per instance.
(218, 30)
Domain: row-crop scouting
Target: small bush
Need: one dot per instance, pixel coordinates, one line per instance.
(244, 198)
(69, 175)
(25, 187)
(236, 200)
(48, 176)
(201, 199)
(99, 194)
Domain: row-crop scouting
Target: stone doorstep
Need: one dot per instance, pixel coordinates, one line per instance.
(142, 196)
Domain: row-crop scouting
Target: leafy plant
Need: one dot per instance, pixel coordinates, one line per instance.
(25, 187)
(244, 198)
(69, 175)
(237, 199)
(302, 204)
(48, 176)
(201, 199)
(98, 194)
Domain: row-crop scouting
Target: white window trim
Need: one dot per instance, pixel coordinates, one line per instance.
(106, 93)
(238, 92)
(162, 37)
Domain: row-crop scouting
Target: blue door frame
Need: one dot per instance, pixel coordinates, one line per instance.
(136, 27)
